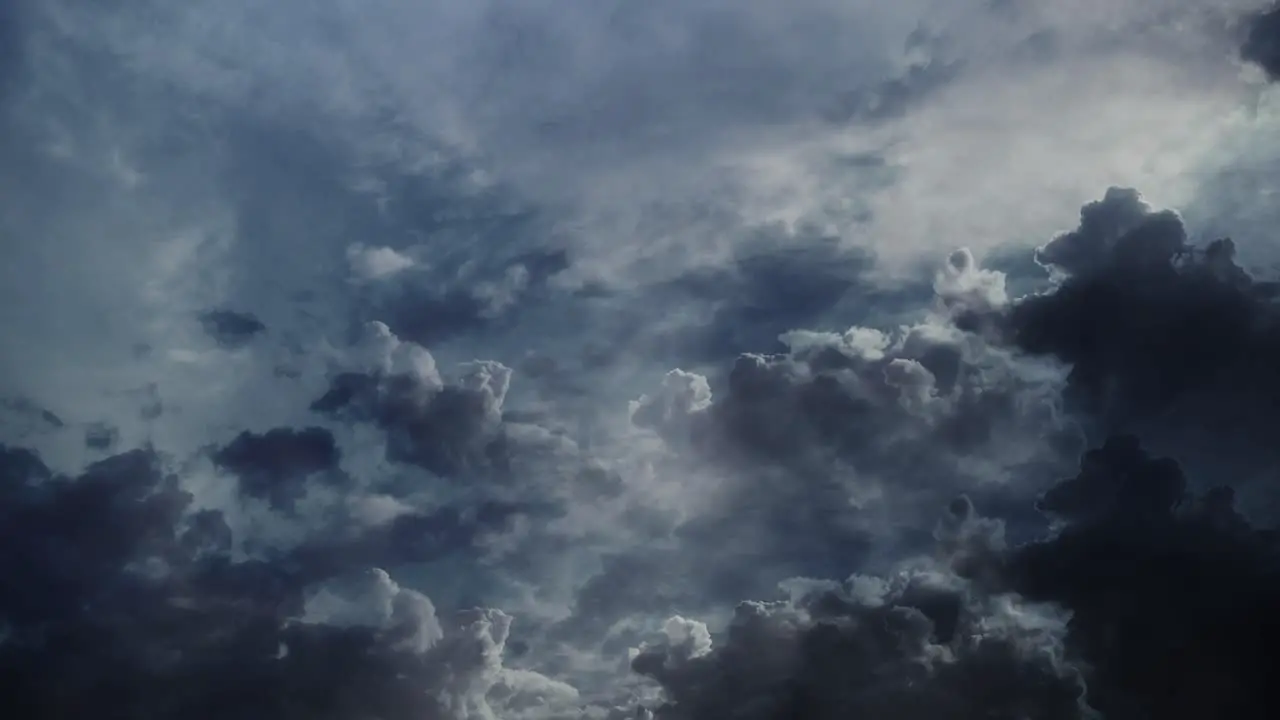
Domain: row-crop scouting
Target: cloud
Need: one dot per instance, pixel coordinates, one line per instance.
(211, 168)
(922, 642)
(117, 596)
(1260, 42)
(851, 421)
(446, 429)
(1157, 580)
(476, 298)
(867, 403)
(1113, 615)
(1163, 339)
(324, 319)
(278, 463)
(231, 329)
(376, 263)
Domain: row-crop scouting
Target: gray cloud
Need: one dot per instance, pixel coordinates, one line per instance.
(209, 208)
(919, 644)
(1259, 45)
(869, 414)
(279, 462)
(231, 329)
(1163, 339)
(118, 592)
(1114, 614)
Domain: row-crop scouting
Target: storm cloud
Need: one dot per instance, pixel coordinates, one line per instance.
(117, 599)
(544, 361)
(1174, 342)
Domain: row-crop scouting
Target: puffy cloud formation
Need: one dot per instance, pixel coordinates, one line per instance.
(1148, 601)
(120, 582)
(376, 263)
(1170, 591)
(1164, 339)
(252, 466)
(119, 598)
(856, 426)
(1144, 575)
(920, 644)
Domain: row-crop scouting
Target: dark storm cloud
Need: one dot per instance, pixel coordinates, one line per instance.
(1172, 342)
(155, 601)
(1172, 594)
(123, 597)
(903, 407)
(1262, 42)
(458, 427)
(1148, 602)
(923, 642)
(449, 430)
(231, 329)
(279, 463)
(1154, 336)
(825, 457)
(118, 601)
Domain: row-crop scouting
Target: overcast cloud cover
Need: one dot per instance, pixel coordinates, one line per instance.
(680, 359)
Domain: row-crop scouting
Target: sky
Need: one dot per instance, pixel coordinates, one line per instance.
(569, 360)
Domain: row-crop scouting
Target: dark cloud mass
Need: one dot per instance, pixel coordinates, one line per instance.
(118, 601)
(1138, 593)
(1262, 42)
(1171, 341)
(458, 361)
(231, 329)
(277, 463)
(446, 429)
(1149, 602)
(1170, 591)
(844, 426)
(1148, 581)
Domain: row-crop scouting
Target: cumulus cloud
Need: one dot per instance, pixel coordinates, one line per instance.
(922, 642)
(867, 413)
(1162, 338)
(1157, 579)
(376, 263)
(1114, 615)
(117, 595)
(321, 321)
(1145, 333)
(447, 429)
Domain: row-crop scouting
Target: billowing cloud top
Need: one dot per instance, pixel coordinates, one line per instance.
(535, 360)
